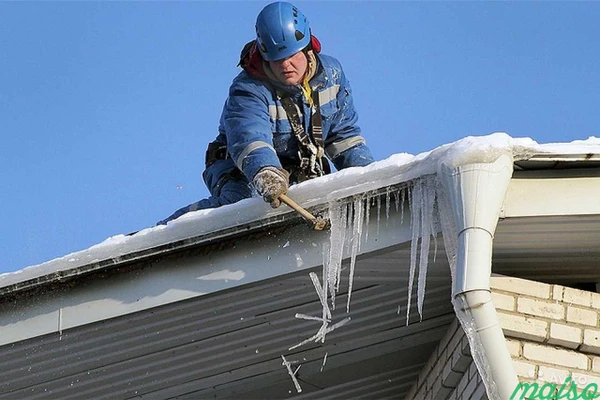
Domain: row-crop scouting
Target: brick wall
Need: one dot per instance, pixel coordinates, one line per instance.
(552, 331)
(450, 372)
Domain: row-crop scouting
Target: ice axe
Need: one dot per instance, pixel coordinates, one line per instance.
(317, 223)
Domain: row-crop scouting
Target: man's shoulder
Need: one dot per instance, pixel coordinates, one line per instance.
(245, 82)
(332, 71)
(329, 61)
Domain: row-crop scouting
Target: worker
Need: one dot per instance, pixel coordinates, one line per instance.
(288, 112)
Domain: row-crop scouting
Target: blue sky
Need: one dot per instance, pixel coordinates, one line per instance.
(106, 107)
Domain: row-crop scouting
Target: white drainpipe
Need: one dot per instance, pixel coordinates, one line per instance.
(476, 193)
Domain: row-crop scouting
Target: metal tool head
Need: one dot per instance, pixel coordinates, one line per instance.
(321, 224)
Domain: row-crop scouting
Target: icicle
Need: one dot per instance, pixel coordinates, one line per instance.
(325, 258)
(387, 205)
(367, 216)
(326, 266)
(427, 226)
(415, 218)
(448, 225)
(322, 332)
(302, 343)
(288, 365)
(397, 199)
(320, 293)
(403, 197)
(314, 338)
(434, 220)
(350, 225)
(465, 317)
(317, 336)
(324, 276)
(324, 361)
(326, 311)
(356, 235)
(349, 228)
(339, 221)
(338, 324)
(378, 213)
(309, 317)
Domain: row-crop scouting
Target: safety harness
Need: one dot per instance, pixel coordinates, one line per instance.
(311, 149)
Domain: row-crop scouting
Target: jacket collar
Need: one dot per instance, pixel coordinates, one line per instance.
(253, 63)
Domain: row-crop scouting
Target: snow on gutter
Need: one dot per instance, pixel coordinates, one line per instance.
(206, 225)
(467, 179)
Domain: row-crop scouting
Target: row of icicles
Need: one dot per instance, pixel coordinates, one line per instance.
(349, 218)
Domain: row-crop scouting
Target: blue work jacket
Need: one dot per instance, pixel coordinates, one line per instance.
(256, 129)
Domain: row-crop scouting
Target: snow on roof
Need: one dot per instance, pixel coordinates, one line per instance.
(397, 168)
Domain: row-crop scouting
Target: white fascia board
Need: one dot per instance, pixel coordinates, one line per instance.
(549, 195)
(175, 279)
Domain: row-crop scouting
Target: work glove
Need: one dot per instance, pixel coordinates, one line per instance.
(270, 183)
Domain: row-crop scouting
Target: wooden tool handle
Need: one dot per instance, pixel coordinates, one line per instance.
(308, 216)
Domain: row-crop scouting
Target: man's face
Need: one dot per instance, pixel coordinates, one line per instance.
(290, 70)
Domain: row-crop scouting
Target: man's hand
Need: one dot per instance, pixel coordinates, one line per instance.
(270, 183)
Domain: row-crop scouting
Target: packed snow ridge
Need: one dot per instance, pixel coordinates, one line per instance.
(352, 183)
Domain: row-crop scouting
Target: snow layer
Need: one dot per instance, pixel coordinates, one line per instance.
(398, 168)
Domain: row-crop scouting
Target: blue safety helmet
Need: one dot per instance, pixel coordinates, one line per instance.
(281, 31)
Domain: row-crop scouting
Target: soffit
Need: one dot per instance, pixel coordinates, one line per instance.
(229, 344)
(553, 249)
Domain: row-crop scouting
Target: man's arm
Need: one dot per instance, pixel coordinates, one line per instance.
(247, 124)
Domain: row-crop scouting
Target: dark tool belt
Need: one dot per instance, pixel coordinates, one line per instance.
(214, 152)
